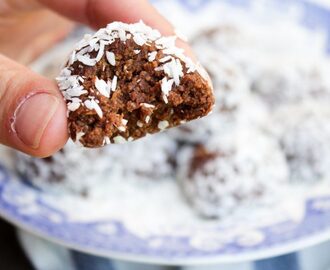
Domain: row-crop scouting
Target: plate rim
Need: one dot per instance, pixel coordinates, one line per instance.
(293, 246)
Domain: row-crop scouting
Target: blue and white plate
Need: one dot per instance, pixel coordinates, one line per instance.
(32, 210)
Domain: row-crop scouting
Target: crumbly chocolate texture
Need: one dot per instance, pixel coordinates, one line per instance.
(128, 86)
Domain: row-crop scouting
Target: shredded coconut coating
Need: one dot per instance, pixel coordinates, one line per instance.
(111, 75)
(229, 170)
(292, 82)
(275, 84)
(304, 134)
(73, 169)
(77, 170)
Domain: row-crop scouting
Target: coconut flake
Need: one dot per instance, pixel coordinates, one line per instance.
(84, 51)
(73, 106)
(165, 42)
(72, 58)
(93, 41)
(166, 87)
(92, 105)
(101, 51)
(86, 60)
(122, 128)
(163, 125)
(76, 91)
(165, 98)
(160, 68)
(95, 48)
(147, 105)
(107, 140)
(111, 58)
(122, 34)
(152, 56)
(79, 135)
(165, 59)
(102, 87)
(119, 140)
(114, 83)
(139, 40)
(178, 72)
(65, 72)
(173, 69)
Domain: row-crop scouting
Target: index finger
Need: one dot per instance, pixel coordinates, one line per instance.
(98, 13)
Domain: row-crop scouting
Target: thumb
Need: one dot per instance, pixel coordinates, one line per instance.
(32, 111)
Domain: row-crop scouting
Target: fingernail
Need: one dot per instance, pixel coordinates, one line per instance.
(32, 116)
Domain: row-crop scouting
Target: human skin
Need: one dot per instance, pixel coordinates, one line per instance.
(32, 110)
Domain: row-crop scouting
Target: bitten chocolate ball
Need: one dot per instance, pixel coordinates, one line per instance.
(126, 81)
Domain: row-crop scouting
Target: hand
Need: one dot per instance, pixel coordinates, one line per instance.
(32, 110)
